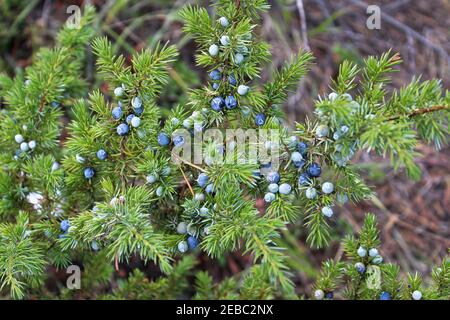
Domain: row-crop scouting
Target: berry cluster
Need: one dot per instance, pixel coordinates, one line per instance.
(64, 226)
(225, 83)
(88, 171)
(344, 144)
(131, 119)
(319, 294)
(23, 145)
(200, 215)
(157, 175)
(307, 179)
(372, 256)
(273, 178)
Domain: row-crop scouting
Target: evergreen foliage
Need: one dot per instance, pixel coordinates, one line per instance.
(118, 194)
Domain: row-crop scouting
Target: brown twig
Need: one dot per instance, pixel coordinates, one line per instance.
(304, 29)
(116, 263)
(187, 181)
(419, 112)
(187, 162)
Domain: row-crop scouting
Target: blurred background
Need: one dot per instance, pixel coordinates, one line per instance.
(414, 217)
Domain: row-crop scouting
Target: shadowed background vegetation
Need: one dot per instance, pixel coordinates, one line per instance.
(414, 215)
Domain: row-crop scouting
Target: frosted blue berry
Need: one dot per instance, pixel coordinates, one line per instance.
(273, 187)
(377, 260)
(94, 245)
(191, 230)
(151, 178)
(116, 113)
(178, 140)
(54, 104)
(416, 295)
(209, 188)
(285, 188)
(136, 102)
(122, 129)
(347, 97)
(244, 50)
(314, 170)
(302, 147)
(256, 173)
(182, 228)
(319, 294)
(32, 144)
(327, 212)
(311, 193)
(225, 40)
(385, 296)
(139, 111)
(204, 211)
(238, 58)
(55, 166)
(199, 197)
(118, 92)
(230, 102)
(329, 295)
(269, 197)
(213, 50)
(232, 80)
(293, 141)
(101, 154)
(198, 126)
(267, 165)
(89, 173)
(192, 242)
(299, 164)
(18, 138)
(327, 187)
(183, 246)
(166, 171)
(65, 225)
(322, 131)
(24, 147)
(215, 86)
(215, 75)
(129, 118)
(273, 177)
(344, 129)
(135, 122)
(187, 123)
(163, 139)
(373, 252)
(303, 179)
(362, 252)
(260, 119)
(202, 179)
(360, 267)
(159, 191)
(342, 198)
(296, 157)
(224, 22)
(243, 90)
(332, 96)
(217, 103)
(336, 135)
